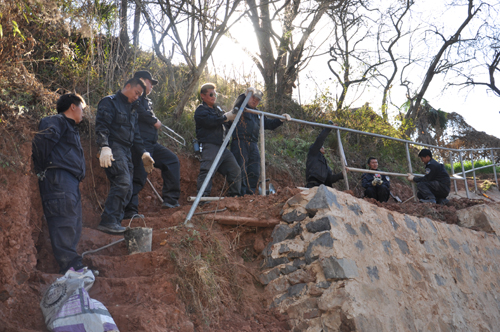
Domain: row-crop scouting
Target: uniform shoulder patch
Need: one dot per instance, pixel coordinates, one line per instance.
(427, 170)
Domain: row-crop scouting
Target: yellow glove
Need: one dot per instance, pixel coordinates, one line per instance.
(106, 157)
(230, 116)
(410, 177)
(148, 162)
(287, 117)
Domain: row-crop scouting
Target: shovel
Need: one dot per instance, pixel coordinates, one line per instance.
(396, 198)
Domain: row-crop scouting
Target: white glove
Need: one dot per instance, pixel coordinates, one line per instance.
(287, 117)
(106, 157)
(410, 177)
(148, 162)
(230, 116)
(252, 90)
(374, 182)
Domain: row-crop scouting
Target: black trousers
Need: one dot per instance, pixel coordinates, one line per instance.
(227, 166)
(432, 190)
(168, 163)
(62, 207)
(120, 176)
(248, 158)
(329, 181)
(380, 193)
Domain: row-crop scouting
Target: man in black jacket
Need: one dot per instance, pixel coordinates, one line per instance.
(376, 185)
(434, 187)
(117, 132)
(211, 128)
(317, 170)
(60, 166)
(164, 159)
(245, 137)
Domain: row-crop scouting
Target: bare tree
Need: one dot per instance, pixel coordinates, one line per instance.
(194, 28)
(124, 39)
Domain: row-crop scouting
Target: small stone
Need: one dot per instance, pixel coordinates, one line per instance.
(411, 224)
(323, 199)
(359, 245)
(334, 268)
(454, 244)
(350, 230)
(387, 247)
(294, 216)
(288, 269)
(365, 230)
(416, 275)
(320, 225)
(283, 249)
(440, 280)
(299, 262)
(311, 314)
(295, 200)
(324, 240)
(323, 284)
(296, 289)
(266, 278)
(315, 291)
(403, 246)
(284, 232)
(355, 208)
(277, 286)
(300, 277)
(393, 222)
(372, 272)
(272, 262)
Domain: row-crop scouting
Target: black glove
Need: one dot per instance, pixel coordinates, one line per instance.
(330, 122)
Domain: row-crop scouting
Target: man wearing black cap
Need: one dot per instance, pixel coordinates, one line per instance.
(165, 159)
(434, 187)
(376, 185)
(60, 167)
(117, 133)
(245, 137)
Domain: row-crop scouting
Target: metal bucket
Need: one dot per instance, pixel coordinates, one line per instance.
(138, 239)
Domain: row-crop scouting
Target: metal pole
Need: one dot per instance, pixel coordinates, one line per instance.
(453, 172)
(493, 161)
(473, 171)
(262, 158)
(410, 169)
(217, 158)
(463, 175)
(343, 160)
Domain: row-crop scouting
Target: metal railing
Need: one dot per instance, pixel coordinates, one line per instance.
(345, 167)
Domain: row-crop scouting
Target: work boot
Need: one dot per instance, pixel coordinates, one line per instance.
(166, 205)
(130, 215)
(113, 229)
(433, 201)
(443, 201)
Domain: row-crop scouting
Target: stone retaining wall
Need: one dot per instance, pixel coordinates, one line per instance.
(338, 263)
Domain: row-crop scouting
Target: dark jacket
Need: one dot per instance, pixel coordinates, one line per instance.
(435, 171)
(210, 126)
(317, 169)
(367, 178)
(248, 126)
(147, 120)
(57, 145)
(117, 121)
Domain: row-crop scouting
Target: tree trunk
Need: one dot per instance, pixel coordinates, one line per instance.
(137, 24)
(124, 39)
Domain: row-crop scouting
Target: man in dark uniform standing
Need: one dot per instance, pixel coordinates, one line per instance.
(317, 170)
(117, 132)
(434, 187)
(245, 137)
(376, 185)
(164, 159)
(211, 128)
(60, 166)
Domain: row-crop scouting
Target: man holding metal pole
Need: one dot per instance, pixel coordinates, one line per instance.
(164, 159)
(245, 137)
(434, 187)
(60, 166)
(211, 128)
(376, 185)
(117, 132)
(317, 170)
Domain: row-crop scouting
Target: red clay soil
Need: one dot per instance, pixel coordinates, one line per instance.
(202, 278)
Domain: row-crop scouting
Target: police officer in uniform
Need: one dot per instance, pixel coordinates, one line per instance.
(376, 186)
(211, 128)
(245, 137)
(434, 187)
(60, 167)
(117, 132)
(317, 170)
(164, 159)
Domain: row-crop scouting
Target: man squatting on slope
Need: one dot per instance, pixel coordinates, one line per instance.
(60, 166)
(164, 159)
(117, 132)
(434, 187)
(211, 128)
(376, 186)
(317, 170)
(245, 137)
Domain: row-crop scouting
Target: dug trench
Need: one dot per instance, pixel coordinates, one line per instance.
(204, 278)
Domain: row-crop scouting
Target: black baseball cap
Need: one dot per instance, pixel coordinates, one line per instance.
(146, 75)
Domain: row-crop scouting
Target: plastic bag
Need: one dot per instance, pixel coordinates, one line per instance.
(67, 306)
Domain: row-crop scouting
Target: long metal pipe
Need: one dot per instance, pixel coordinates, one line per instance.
(482, 167)
(463, 175)
(217, 158)
(343, 161)
(453, 172)
(360, 132)
(410, 168)
(360, 170)
(494, 168)
(262, 158)
(473, 170)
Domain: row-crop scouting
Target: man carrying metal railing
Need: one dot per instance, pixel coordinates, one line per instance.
(245, 137)
(434, 187)
(165, 159)
(317, 170)
(376, 185)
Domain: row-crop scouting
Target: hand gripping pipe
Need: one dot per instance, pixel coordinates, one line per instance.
(217, 158)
